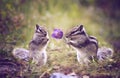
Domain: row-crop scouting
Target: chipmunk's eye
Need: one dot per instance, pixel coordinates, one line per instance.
(39, 30)
(71, 38)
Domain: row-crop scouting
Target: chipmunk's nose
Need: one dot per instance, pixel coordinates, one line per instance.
(47, 39)
(66, 36)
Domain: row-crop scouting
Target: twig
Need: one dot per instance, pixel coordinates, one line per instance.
(45, 72)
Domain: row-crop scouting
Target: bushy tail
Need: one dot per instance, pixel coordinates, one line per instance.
(21, 53)
(104, 53)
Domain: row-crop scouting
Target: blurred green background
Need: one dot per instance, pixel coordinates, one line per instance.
(101, 18)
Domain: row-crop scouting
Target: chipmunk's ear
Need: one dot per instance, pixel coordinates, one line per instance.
(80, 28)
(37, 26)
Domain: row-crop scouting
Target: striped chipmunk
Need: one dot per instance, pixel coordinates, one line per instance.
(37, 48)
(86, 46)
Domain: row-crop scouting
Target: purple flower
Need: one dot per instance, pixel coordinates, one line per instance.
(57, 33)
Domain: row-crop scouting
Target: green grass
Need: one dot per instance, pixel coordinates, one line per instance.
(55, 17)
(63, 15)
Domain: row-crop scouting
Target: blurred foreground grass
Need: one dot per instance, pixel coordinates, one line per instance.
(63, 15)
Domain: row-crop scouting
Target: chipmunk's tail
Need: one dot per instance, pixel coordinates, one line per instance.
(21, 53)
(104, 53)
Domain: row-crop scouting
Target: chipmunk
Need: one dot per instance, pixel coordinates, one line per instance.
(86, 46)
(37, 47)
